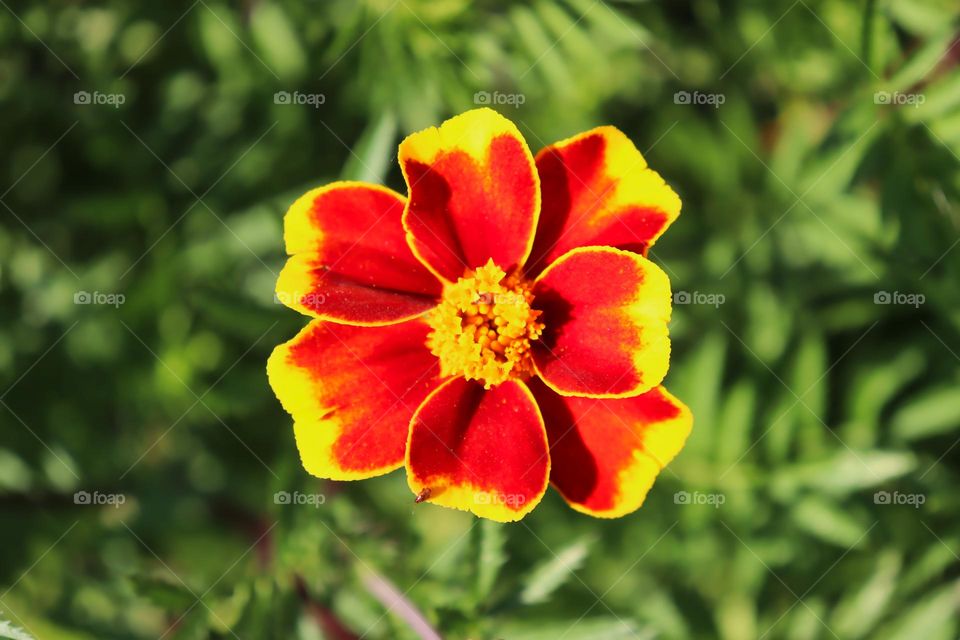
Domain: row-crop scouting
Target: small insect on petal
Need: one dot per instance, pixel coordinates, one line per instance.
(423, 495)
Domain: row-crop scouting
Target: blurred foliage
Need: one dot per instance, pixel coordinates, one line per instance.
(806, 194)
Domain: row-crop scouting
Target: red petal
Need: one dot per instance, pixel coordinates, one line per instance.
(350, 260)
(598, 190)
(474, 194)
(606, 313)
(351, 392)
(479, 450)
(606, 454)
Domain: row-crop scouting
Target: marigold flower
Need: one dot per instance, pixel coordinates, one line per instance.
(498, 329)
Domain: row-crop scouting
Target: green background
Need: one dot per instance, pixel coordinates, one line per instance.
(806, 194)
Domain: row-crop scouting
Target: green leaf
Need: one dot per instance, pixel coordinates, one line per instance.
(550, 575)
(491, 557)
(860, 610)
(844, 472)
(699, 384)
(809, 377)
(614, 27)
(277, 41)
(15, 475)
(802, 132)
(736, 615)
(7, 630)
(830, 523)
(938, 100)
(921, 18)
(736, 422)
(600, 628)
(931, 564)
(831, 170)
(215, 26)
(920, 63)
(373, 155)
(806, 621)
(163, 592)
(780, 426)
(543, 58)
(931, 413)
(770, 324)
(875, 386)
(663, 613)
(933, 616)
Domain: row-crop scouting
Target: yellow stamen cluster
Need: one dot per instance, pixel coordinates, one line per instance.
(483, 327)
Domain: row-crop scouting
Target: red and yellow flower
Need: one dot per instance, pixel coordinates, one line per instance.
(498, 329)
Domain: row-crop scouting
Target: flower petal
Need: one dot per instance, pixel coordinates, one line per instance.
(350, 260)
(605, 313)
(479, 450)
(606, 454)
(474, 194)
(598, 190)
(351, 392)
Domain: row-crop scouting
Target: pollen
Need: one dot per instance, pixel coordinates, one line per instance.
(483, 327)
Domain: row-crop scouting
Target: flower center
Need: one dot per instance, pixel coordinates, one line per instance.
(483, 327)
